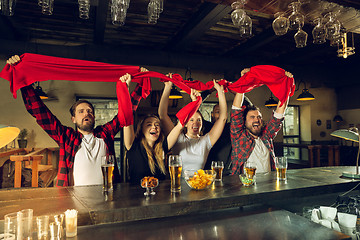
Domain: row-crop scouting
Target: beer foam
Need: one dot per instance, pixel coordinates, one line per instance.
(71, 213)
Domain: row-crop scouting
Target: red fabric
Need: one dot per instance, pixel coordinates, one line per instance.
(274, 77)
(34, 67)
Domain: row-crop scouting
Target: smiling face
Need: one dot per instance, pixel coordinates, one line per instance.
(253, 122)
(151, 129)
(84, 118)
(194, 125)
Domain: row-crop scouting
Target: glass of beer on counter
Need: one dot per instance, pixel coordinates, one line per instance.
(281, 166)
(175, 168)
(107, 168)
(249, 170)
(217, 167)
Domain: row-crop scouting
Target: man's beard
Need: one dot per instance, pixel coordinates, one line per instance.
(255, 132)
(87, 127)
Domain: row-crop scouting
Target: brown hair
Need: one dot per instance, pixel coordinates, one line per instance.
(77, 103)
(250, 108)
(157, 151)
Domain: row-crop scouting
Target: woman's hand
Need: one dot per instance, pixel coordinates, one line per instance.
(13, 60)
(168, 83)
(126, 79)
(194, 94)
(219, 88)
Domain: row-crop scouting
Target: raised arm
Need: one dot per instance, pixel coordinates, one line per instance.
(281, 110)
(129, 134)
(176, 131)
(239, 97)
(166, 122)
(218, 127)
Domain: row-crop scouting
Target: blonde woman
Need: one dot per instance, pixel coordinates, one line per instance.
(148, 147)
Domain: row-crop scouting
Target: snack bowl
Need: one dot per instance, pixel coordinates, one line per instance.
(246, 181)
(149, 183)
(199, 179)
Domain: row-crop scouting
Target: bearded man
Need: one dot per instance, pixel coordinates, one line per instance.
(251, 138)
(81, 149)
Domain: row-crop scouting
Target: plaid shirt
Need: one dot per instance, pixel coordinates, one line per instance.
(243, 142)
(67, 138)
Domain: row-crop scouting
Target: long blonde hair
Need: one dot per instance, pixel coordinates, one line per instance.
(156, 151)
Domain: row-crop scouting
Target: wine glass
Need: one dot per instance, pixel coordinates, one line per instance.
(238, 14)
(149, 183)
(333, 26)
(319, 32)
(296, 19)
(300, 38)
(245, 27)
(280, 24)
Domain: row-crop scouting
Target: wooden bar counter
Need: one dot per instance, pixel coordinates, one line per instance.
(127, 203)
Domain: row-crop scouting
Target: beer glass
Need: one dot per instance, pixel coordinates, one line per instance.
(281, 166)
(107, 168)
(217, 167)
(249, 170)
(175, 168)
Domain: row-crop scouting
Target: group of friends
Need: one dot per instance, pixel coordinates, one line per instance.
(246, 138)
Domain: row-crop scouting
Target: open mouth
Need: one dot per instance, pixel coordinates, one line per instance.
(152, 133)
(86, 119)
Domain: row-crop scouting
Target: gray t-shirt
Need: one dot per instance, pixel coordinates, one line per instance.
(193, 151)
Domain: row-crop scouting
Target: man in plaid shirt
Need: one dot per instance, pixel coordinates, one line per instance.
(81, 150)
(251, 138)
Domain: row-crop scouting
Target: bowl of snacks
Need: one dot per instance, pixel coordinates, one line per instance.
(199, 179)
(149, 183)
(245, 180)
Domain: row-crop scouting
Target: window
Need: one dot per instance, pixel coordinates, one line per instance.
(291, 130)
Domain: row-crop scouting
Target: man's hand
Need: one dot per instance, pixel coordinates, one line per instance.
(126, 79)
(142, 69)
(13, 60)
(245, 70)
(289, 74)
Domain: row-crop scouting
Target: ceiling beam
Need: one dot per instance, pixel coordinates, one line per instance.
(207, 16)
(100, 23)
(253, 43)
(126, 55)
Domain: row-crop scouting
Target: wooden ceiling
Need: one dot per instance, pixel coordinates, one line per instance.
(189, 33)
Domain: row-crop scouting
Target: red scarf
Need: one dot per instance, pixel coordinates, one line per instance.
(34, 67)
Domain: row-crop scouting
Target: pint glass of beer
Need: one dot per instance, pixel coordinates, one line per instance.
(249, 170)
(217, 167)
(281, 166)
(175, 168)
(107, 168)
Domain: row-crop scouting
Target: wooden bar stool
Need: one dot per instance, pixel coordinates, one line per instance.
(19, 159)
